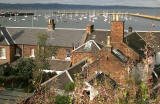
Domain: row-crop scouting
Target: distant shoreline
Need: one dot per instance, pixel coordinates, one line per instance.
(68, 6)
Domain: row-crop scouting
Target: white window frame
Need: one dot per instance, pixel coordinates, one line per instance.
(68, 57)
(32, 52)
(68, 52)
(3, 55)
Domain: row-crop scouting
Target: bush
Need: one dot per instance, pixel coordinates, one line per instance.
(30, 88)
(62, 100)
(69, 87)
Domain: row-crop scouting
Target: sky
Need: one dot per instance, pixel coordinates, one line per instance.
(147, 3)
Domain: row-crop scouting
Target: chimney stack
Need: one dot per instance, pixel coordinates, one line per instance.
(89, 29)
(129, 29)
(117, 31)
(51, 25)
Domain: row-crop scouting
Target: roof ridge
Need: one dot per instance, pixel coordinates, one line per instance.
(85, 44)
(7, 35)
(47, 28)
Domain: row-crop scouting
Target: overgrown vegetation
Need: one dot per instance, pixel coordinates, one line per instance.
(61, 99)
(69, 87)
(21, 75)
(27, 73)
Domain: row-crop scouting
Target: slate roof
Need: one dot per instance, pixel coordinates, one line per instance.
(89, 46)
(101, 78)
(98, 36)
(5, 38)
(59, 65)
(154, 39)
(57, 37)
(77, 68)
(61, 81)
(135, 41)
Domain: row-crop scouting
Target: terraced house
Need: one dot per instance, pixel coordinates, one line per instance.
(22, 41)
(101, 47)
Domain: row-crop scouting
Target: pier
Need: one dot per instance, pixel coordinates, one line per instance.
(8, 14)
(109, 13)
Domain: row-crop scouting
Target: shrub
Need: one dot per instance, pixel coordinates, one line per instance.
(69, 87)
(62, 100)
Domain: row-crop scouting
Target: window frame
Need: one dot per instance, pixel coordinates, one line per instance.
(5, 55)
(32, 54)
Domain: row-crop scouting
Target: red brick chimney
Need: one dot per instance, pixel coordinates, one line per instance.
(117, 30)
(89, 29)
(51, 25)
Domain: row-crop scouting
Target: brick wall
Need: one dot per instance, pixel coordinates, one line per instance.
(61, 52)
(126, 50)
(109, 64)
(79, 56)
(10, 52)
(27, 50)
(117, 34)
(117, 31)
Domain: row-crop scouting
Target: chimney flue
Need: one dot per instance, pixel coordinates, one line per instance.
(89, 29)
(115, 17)
(51, 25)
(129, 29)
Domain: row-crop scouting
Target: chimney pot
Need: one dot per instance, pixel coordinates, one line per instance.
(89, 29)
(129, 29)
(51, 25)
(115, 17)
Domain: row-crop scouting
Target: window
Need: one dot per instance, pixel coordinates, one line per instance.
(53, 57)
(17, 52)
(2, 53)
(32, 53)
(68, 55)
(120, 55)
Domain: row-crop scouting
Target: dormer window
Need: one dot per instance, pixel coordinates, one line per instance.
(32, 53)
(3, 53)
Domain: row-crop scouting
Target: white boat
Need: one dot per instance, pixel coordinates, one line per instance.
(23, 19)
(85, 17)
(10, 19)
(25, 16)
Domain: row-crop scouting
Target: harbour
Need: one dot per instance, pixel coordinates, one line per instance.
(139, 20)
